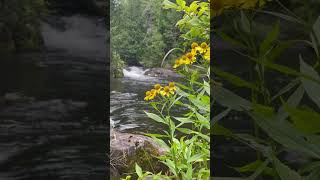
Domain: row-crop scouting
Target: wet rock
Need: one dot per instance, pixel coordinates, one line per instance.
(126, 149)
(161, 72)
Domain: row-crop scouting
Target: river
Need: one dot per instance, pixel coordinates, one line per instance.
(53, 122)
(127, 105)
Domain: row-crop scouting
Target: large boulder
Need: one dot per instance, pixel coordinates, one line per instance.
(126, 149)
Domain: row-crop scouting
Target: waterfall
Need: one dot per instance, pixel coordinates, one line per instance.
(137, 73)
(78, 35)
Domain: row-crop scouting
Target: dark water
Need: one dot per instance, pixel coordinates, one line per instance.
(53, 105)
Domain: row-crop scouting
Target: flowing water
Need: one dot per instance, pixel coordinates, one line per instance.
(53, 106)
(127, 104)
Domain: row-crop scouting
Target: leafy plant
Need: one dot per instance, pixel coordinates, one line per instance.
(284, 121)
(187, 139)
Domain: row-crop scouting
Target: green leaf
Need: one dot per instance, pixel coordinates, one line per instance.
(160, 142)
(306, 121)
(193, 6)
(183, 120)
(195, 158)
(205, 121)
(310, 167)
(138, 170)
(293, 101)
(189, 172)
(266, 111)
(284, 171)
(156, 118)
(252, 141)
(312, 88)
(229, 39)
(249, 167)
(206, 87)
(234, 79)
(218, 117)
(285, 89)
(270, 39)
(278, 49)
(314, 44)
(245, 23)
(169, 5)
(285, 134)
(181, 3)
(219, 130)
(260, 169)
(170, 165)
(314, 175)
(200, 104)
(185, 130)
(283, 16)
(316, 30)
(285, 69)
(228, 99)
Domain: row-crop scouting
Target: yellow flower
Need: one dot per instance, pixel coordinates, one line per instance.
(177, 63)
(147, 96)
(185, 60)
(157, 87)
(153, 94)
(191, 57)
(150, 95)
(194, 45)
(166, 91)
(204, 46)
(206, 56)
(172, 87)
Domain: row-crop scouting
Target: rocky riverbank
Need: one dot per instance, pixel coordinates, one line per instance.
(126, 149)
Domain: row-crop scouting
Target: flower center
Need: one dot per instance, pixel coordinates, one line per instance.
(194, 45)
(157, 86)
(204, 45)
(166, 89)
(148, 93)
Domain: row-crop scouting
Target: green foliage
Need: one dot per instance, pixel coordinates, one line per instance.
(187, 140)
(117, 65)
(187, 136)
(139, 30)
(284, 121)
(195, 23)
(20, 25)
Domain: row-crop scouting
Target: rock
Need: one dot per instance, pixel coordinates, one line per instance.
(161, 72)
(126, 149)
